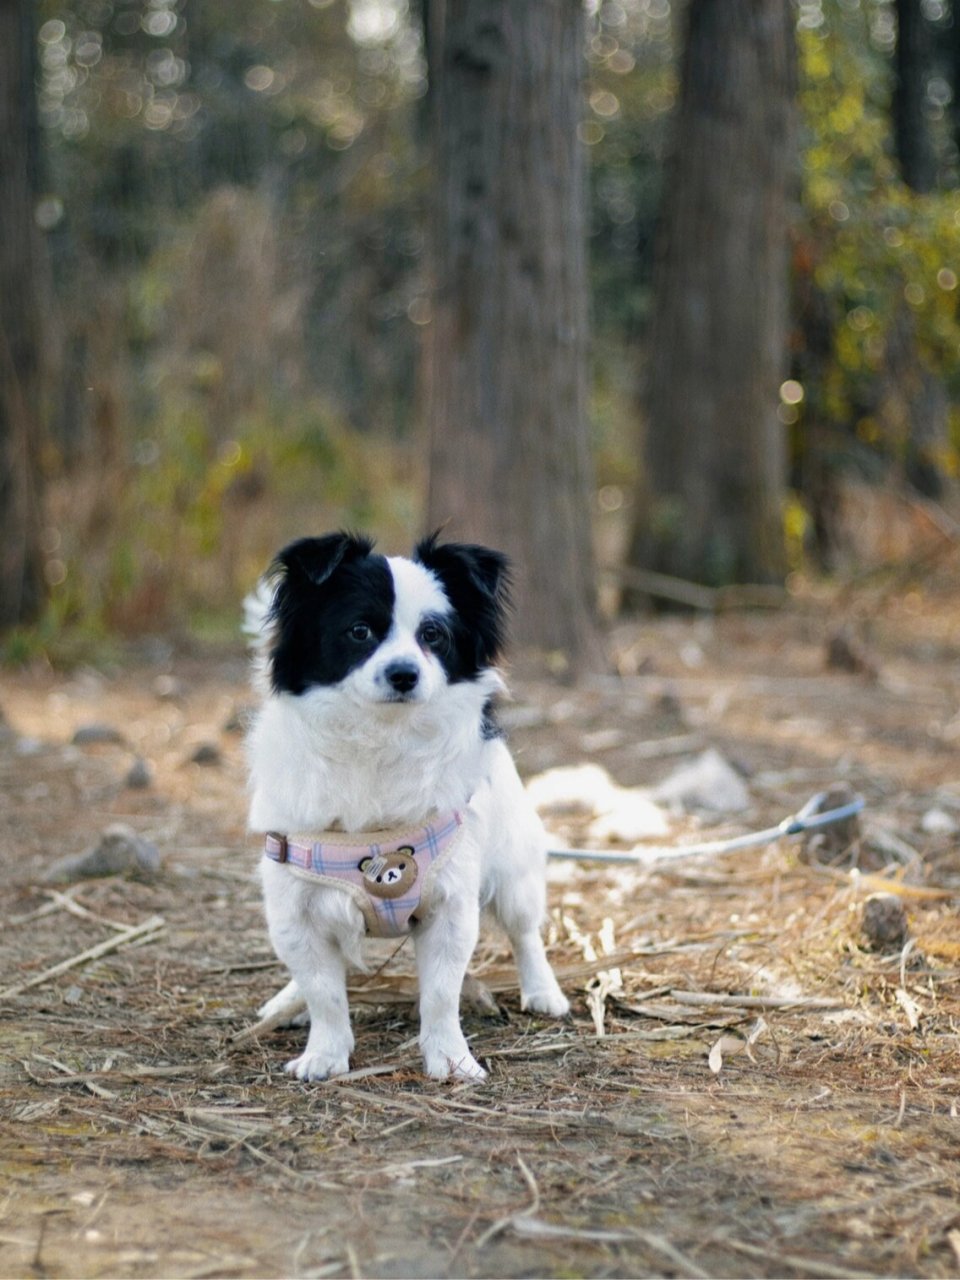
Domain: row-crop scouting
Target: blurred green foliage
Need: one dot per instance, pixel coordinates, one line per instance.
(877, 348)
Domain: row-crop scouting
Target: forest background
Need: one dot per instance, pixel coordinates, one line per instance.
(697, 265)
(234, 203)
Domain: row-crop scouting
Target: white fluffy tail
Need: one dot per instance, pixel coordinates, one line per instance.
(256, 627)
(256, 613)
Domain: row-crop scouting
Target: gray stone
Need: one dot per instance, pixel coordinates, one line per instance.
(884, 922)
(708, 783)
(139, 775)
(92, 735)
(119, 851)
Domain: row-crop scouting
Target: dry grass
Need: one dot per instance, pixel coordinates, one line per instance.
(744, 1087)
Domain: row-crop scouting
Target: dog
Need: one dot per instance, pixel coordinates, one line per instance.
(387, 797)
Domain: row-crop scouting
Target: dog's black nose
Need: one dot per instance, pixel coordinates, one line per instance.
(402, 676)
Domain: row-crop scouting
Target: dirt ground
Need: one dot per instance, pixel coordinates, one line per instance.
(769, 1096)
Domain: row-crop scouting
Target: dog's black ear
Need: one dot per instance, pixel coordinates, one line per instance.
(482, 568)
(315, 559)
(477, 582)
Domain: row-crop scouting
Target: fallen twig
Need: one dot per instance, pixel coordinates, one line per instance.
(806, 1266)
(191, 1070)
(525, 1225)
(133, 933)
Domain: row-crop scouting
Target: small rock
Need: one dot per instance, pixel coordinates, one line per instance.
(937, 822)
(884, 922)
(119, 851)
(846, 653)
(710, 782)
(168, 688)
(669, 704)
(90, 735)
(692, 656)
(208, 753)
(138, 776)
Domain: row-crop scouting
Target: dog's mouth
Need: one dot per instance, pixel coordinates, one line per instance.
(395, 699)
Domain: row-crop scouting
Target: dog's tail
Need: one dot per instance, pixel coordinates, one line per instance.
(256, 613)
(258, 628)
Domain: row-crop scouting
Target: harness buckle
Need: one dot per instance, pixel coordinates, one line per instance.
(283, 848)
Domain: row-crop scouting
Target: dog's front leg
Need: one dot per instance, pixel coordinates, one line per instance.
(445, 943)
(315, 932)
(320, 971)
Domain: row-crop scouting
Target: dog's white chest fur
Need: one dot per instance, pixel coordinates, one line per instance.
(318, 761)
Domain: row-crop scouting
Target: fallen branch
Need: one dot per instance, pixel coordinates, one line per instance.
(806, 1266)
(537, 1229)
(795, 1003)
(662, 586)
(123, 1075)
(131, 934)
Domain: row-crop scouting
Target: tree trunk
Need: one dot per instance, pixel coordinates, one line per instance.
(21, 569)
(506, 349)
(911, 130)
(715, 450)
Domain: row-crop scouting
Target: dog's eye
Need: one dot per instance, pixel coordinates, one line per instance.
(432, 634)
(360, 632)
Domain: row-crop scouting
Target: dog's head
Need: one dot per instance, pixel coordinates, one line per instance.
(385, 630)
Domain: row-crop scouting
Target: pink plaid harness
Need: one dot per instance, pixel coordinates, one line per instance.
(387, 873)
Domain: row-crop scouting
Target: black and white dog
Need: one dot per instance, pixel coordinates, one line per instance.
(388, 800)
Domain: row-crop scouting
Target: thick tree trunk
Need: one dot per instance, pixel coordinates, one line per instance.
(506, 360)
(715, 452)
(911, 130)
(21, 572)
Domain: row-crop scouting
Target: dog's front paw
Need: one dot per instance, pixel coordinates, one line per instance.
(318, 1066)
(549, 1000)
(459, 1063)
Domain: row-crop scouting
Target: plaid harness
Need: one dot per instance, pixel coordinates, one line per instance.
(387, 873)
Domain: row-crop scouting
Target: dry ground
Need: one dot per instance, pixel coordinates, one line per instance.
(139, 1140)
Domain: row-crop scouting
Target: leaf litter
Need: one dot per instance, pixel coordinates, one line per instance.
(746, 1085)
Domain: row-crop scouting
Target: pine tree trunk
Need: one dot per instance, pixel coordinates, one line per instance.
(911, 129)
(506, 354)
(21, 574)
(715, 451)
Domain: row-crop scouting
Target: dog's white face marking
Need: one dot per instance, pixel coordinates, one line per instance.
(403, 669)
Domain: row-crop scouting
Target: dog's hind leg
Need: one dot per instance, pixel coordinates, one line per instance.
(286, 1009)
(519, 907)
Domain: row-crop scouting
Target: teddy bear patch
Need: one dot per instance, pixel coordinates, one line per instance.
(390, 875)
